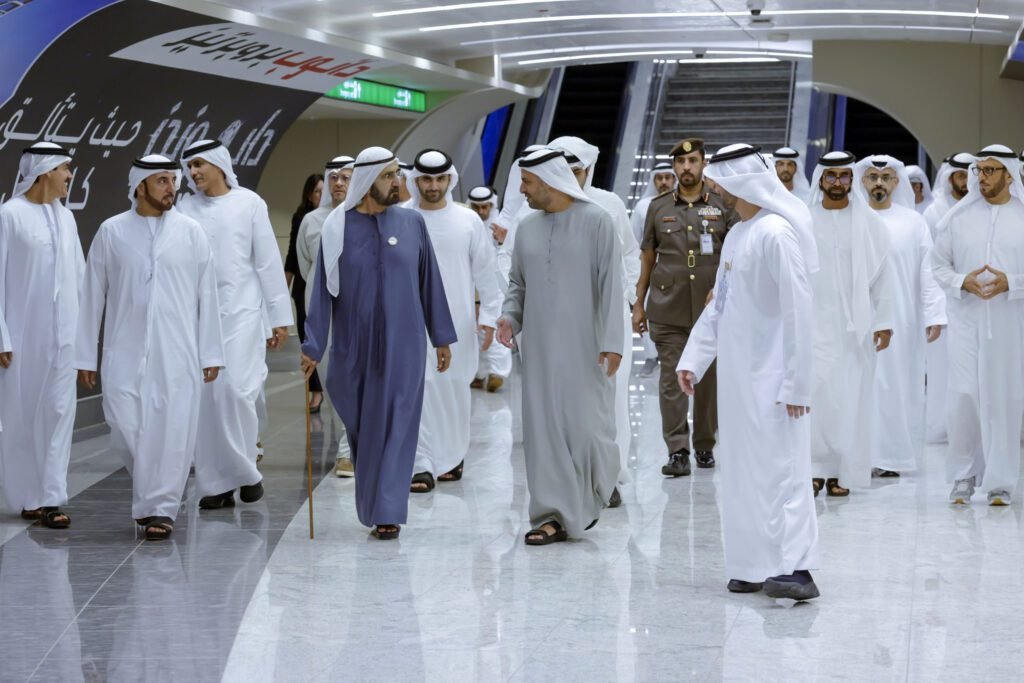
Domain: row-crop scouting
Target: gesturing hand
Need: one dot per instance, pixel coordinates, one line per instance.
(881, 339)
(999, 284)
(308, 366)
(444, 358)
(488, 336)
(611, 362)
(686, 381)
(505, 332)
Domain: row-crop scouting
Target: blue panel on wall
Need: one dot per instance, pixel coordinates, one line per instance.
(492, 140)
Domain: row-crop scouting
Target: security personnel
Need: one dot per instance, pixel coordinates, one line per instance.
(683, 235)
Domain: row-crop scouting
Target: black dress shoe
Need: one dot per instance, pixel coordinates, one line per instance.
(737, 586)
(796, 586)
(705, 459)
(221, 500)
(678, 464)
(250, 494)
(616, 499)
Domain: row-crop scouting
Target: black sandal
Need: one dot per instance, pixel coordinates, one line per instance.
(386, 532)
(32, 515)
(221, 500)
(144, 521)
(315, 409)
(51, 518)
(835, 490)
(422, 479)
(546, 538)
(818, 485)
(159, 528)
(455, 474)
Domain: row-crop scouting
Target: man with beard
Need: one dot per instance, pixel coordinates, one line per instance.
(790, 170)
(152, 269)
(378, 286)
(565, 297)
(950, 188)
(761, 324)
(979, 261)
(465, 259)
(41, 270)
(683, 234)
(253, 296)
(897, 436)
(853, 320)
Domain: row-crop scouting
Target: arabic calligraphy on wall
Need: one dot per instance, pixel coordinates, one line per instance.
(118, 109)
(252, 54)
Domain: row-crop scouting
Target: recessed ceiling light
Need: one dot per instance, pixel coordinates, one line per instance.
(693, 15)
(649, 53)
(464, 5)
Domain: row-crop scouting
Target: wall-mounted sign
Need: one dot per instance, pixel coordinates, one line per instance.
(379, 94)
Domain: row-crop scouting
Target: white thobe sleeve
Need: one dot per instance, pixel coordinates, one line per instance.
(303, 252)
(933, 301)
(481, 256)
(515, 295)
(630, 253)
(636, 222)
(211, 344)
(270, 269)
(942, 264)
(6, 346)
(702, 345)
(785, 262)
(91, 301)
(882, 297)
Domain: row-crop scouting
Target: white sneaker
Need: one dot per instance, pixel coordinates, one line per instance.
(962, 491)
(999, 497)
(343, 467)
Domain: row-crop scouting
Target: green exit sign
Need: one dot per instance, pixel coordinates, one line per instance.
(379, 94)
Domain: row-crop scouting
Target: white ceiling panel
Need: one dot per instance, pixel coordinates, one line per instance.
(447, 31)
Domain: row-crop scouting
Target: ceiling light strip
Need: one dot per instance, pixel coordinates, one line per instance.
(464, 6)
(697, 15)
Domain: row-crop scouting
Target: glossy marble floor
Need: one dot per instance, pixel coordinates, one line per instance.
(912, 589)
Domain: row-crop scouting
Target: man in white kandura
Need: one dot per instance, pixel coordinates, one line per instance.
(582, 158)
(853, 321)
(496, 361)
(896, 435)
(566, 268)
(152, 269)
(41, 270)
(950, 188)
(337, 176)
(760, 326)
(662, 179)
(250, 280)
(465, 258)
(921, 187)
(789, 166)
(979, 261)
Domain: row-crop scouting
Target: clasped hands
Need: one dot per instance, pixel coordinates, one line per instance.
(998, 283)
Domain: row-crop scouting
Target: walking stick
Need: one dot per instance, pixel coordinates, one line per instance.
(309, 460)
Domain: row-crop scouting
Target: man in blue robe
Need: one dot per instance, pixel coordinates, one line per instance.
(378, 284)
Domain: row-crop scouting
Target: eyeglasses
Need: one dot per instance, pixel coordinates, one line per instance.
(832, 178)
(875, 178)
(987, 171)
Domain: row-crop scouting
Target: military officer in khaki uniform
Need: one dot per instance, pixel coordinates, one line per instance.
(683, 235)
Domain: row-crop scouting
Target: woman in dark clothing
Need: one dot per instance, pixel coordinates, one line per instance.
(311, 191)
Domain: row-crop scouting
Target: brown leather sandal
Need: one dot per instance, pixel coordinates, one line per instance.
(817, 485)
(835, 490)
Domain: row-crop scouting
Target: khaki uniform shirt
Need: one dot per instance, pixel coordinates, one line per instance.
(688, 241)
